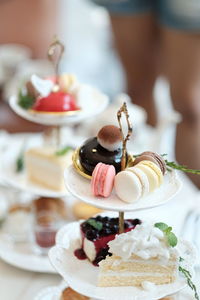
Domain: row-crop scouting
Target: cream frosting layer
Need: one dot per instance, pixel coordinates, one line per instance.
(145, 241)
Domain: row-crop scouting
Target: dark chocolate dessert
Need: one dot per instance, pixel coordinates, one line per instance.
(105, 148)
(96, 233)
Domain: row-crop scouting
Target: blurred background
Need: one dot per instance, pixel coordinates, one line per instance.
(85, 29)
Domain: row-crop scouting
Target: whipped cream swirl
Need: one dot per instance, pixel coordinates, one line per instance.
(145, 241)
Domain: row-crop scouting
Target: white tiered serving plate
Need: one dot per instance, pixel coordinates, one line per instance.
(20, 255)
(52, 292)
(19, 180)
(92, 102)
(80, 187)
(82, 276)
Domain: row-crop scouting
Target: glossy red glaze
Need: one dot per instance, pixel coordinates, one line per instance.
(56, 102)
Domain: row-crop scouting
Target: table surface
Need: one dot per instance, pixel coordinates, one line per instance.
(25, 285)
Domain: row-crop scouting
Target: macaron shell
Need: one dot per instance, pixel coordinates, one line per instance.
(143, 179)
(143, 157)
(108, 181)
(128, 186)
(160, 160)
(103, 180)
(156, 169)
(94, 182)
(152, 176)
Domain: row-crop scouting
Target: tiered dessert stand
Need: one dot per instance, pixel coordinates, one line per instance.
(90, 106)
(81, 275)
(91, 102)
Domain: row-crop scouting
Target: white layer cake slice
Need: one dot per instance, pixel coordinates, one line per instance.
(46, 168)
(135, 271)
(141, 255)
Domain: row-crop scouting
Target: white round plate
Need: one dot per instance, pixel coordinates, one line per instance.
(51, 292)
(20, 255)
(92, 102)
(80, 187)
(19, 181)
(54, 292)
(82, 276)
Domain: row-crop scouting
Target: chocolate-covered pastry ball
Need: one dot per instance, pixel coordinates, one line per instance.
(91, 153)
(110, 138)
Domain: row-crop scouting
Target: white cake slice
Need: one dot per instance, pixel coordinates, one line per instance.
(46, 168)
(139, 256)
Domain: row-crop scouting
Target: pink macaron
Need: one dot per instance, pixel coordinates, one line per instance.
(103, 180)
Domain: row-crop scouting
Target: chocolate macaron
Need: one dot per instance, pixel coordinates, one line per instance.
(154, 157)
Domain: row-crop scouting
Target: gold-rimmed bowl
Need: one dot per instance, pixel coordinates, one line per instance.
(77, 165)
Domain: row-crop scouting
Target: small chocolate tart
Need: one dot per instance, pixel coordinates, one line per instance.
(91, 153)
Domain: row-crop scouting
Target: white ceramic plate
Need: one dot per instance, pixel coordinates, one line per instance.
(82, 276)
(19, 181)
(92, 102)
(52, 293)
(49, 293)
(79, 187)
(20, 255)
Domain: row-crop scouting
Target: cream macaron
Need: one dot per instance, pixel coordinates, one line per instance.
(131, 184)
(128, 186)
(153, 173)
(143, 179)
(136, 182)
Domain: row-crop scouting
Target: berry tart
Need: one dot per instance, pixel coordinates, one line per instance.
(95, 235)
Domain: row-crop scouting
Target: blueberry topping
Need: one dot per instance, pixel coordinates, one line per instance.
(92, 235)
(136, 222)
(109, 226)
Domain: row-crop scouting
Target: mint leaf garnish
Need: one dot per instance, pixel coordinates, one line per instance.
(25, 101)
(63, 151)
(172, 239)
(20, 163)
(181, 259)
(96, 224)
(188, 277)
(161, 226)
(167, 230)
